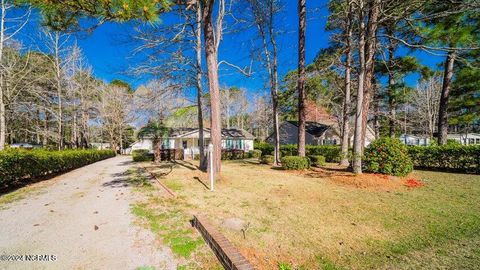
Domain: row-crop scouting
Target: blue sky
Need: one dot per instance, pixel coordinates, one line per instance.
(110, 55)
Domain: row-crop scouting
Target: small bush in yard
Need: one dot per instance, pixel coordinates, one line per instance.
(141, 155)
(267, 159)
(255, 153)
(387, 156)
(295, 163)
(317, 161)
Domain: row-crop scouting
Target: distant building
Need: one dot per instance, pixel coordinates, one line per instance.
(321, 128)
(465, 139)
(100, 146)
(409, 139)
(25, 145)
(316, 134)
(187, 139)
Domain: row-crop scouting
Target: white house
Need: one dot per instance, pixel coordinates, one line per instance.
(465, 139)
(409, 139)
(187, 139)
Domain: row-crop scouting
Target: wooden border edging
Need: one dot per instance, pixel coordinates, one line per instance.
(169, 191)
(227, 254)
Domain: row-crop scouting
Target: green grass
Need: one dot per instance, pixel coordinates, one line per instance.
(20, 193)
(170, 223)
(313, 222)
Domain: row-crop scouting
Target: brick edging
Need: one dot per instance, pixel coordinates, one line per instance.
(227, 254)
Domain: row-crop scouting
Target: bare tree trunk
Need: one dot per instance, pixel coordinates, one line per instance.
(358, 143)
(442, 110)
(302, 12)
(74, 131)
(348, 85)
(376, 113)
(392, 106)
(3, 129)
(371, 44)
(37, 128)
(213, 85)
(121, 139)
(45, 129)
(198, 51)
(84, 133)
(156, 151)
(59, 90)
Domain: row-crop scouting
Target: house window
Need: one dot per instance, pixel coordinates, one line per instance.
(184, 144)
(471, 141)
(478, 141)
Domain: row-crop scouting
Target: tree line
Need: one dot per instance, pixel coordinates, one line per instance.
(361, 77)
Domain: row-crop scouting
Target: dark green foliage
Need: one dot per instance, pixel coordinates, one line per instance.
(387, 156)
(464, 103)
(141, 155)
(266, 159)
(266, 148)
(450, 157)
(332, 153)
(18, 166)
(232, 154)
(66, 14)
(295, 163)
(255, 153)
(317, 161)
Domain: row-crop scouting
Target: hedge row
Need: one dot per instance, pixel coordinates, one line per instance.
(140, 155)
(332, 153)
(456, 158)
(18, 165)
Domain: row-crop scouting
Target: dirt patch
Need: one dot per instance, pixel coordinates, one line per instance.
(341, 176)
(369, 181)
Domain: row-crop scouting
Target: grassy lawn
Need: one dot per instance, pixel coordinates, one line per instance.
(324, 219)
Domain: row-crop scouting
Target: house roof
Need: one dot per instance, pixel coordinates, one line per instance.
(313, 128)
(237, 133)
(232, 133)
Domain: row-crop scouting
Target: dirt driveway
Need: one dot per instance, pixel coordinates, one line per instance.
(82, 220)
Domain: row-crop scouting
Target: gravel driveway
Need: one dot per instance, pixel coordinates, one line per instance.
(82, 220)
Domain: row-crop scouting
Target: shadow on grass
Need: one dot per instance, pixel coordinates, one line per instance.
(201, 182)
(186, 164)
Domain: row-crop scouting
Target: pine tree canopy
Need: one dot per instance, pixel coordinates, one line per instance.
(65, 14)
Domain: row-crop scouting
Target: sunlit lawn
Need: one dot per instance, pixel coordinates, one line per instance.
(312, 221)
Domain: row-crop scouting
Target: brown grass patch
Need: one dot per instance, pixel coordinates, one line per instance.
(324, 217)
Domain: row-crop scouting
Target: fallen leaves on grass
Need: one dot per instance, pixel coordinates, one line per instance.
(368, 181)
(413, 183)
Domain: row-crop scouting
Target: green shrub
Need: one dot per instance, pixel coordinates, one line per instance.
(266, 148)
(387, 156)
(267, 159)
(18, 166)
(450, 157)
(317, 161)
(255, 153)
(295, 163)
(141, 155)
(232, 154)
(332, 153)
